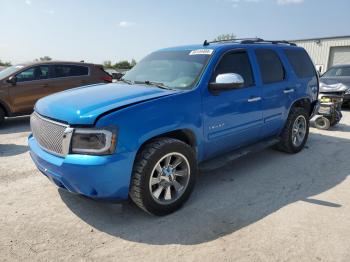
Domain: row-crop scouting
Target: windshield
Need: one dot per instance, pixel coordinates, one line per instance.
(337, 71)
(172, 69)
(10, 70)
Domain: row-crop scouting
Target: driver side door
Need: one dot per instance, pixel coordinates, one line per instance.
(232, 118)
(31, 85)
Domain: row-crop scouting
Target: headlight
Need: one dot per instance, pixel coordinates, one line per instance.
(325, 99)
(94, 141)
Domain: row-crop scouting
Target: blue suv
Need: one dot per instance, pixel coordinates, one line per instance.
(144, 136)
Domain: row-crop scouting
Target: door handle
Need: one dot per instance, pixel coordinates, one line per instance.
(254, 99)
(288, 90)
(44, 85)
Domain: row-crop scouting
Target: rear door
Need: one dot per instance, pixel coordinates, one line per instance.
(232, 118)
(66, 76)
(32, 84)
(277, 91)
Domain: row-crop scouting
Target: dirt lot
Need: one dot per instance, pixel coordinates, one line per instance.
(268, 206)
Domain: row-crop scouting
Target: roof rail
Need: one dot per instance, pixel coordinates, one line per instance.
(249, 41)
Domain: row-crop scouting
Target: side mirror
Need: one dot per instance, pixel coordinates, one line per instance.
(12, 80)
(226, 82)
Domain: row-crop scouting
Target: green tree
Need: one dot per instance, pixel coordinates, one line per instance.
(5, 63)
(107, 64)
(133, 63)
(123, 65)
(224, 37)
(44, 58)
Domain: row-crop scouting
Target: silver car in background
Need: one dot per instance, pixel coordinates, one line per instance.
(335, 80)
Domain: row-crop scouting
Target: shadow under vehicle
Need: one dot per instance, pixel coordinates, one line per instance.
(229, 198)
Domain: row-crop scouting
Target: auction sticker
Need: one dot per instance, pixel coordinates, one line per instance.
(202, 52)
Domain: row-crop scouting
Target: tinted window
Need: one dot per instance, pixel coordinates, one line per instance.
(337, 71)
(236, 62)
(301, 63)
(33, 73)
(69, 70)
(43, 72)
(270, 66)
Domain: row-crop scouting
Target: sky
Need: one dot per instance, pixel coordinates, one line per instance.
(100, 30)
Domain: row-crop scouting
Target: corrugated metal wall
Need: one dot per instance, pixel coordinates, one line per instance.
(319, 49)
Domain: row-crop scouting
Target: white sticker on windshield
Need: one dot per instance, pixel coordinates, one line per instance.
(19, 66)
(202, 52)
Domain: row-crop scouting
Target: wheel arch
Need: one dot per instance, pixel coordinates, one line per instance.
(5, 108)
(304, 103)
(185, 135)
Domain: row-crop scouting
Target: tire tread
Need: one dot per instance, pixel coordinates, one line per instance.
(142, 159)
(285, 144)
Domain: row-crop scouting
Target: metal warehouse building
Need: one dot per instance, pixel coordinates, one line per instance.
(327, 51)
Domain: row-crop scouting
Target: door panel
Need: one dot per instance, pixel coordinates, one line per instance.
(276, 91)
(31, 85)
(67, 76)
(232, 118)
(61, 84)
(274, 107)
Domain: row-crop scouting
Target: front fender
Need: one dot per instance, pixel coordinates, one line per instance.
(142, 122)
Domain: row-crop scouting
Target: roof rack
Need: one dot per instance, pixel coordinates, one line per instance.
(249, 41)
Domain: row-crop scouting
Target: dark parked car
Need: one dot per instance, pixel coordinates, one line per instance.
(22, 85)
(335, 79)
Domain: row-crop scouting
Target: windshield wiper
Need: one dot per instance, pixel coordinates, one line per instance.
(126, 81)
(150, 83)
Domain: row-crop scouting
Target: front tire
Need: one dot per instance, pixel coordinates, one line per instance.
(2, 116)
(295, 131)
(164, 176)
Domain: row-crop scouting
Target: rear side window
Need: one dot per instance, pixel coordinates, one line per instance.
(69, 70)
(270, 65)
(236, 62)
(300, 62)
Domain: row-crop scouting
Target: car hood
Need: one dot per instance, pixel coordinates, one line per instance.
(334, 84)
(81, 106)
(335, 80)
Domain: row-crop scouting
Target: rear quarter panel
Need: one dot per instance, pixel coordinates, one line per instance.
(305, 88)
(4, 97)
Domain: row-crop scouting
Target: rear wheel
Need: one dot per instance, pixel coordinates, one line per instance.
(163, 177)
(295, 131)
(2, 116)
(323, 123)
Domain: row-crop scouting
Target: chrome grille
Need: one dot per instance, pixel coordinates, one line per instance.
(49, 134)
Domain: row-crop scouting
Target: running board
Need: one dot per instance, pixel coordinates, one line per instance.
(223, 160)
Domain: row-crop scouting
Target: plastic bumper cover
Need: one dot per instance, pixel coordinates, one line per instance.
(101, 177)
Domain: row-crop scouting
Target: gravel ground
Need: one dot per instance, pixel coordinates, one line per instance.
(267, 206)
